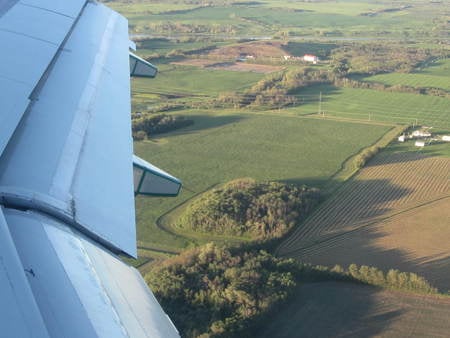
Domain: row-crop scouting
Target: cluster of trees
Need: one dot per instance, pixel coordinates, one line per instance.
(145, 125)
(276, 89)
(214, 291)
(375, 58)
(245, 207)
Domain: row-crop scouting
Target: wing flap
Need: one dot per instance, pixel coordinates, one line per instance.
(141, 68)
(150, 180)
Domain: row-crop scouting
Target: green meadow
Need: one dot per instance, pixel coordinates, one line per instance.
(223, 146)
(435, 75)
(267, 17)
(373, 105)
(193, 81)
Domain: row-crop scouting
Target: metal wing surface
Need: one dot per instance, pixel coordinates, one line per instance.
(66, 175)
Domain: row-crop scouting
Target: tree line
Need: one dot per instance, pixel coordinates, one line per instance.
(146, 125)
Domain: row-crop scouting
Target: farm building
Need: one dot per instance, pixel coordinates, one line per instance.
(420, 144)
(420, 134)
(401, 138)
(310, 58)
(446, 138)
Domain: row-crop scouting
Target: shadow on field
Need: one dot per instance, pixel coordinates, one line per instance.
(404, 157)
(313, 182)
(205, 122)
(332, 309)
(399, 240)
(437, 267)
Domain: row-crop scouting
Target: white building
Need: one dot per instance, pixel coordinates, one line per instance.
(420, 134)
(310, 58)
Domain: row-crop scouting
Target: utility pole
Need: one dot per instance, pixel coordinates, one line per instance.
(320, 103)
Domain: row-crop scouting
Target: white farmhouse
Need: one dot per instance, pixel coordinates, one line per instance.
(310, 58)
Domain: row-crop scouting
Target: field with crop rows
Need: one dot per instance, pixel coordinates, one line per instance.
(389, 188)
(349, 310)
(404, 108)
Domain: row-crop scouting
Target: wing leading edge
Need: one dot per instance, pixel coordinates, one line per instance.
(66, 175)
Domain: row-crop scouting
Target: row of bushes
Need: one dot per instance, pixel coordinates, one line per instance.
(149, 124)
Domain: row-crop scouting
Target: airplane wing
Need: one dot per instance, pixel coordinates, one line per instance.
(67, 174)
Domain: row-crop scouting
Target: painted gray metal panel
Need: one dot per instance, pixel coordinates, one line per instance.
(97, 286)
(30, 37)
(19, 314)
(137, 161)
(19, 73)
(37, 23)
(58, 302)
(14, 102)
(141, 67)
(136, 305)
(155, 181)
(26, 59)
(75, 143)
(156, 185)
(104, 172)
(6, 5)
(69, 8)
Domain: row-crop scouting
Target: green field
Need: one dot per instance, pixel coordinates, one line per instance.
(193, 81)
(161, 47)
(436, 75)
(265, 17)
(366, 104)
(222, 147)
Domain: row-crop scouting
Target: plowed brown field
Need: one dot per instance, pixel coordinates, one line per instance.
(394, 214)
(350, 310)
